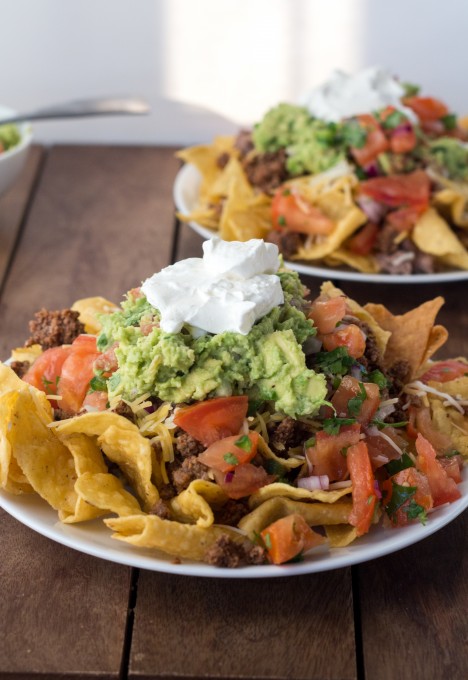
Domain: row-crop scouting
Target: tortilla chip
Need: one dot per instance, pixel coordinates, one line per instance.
(188, 541)
(414, 338)
(454, 202)
(245, 214)
(106, 493)
(90, 309)
(194, 503)
(341, 535)
(123, 444)
(363, 263)
(12, 478)
(433, 235)
(380, 334)
(315, 514)
(204, 157)
(288, 463)
(278, 489)
(26, 353)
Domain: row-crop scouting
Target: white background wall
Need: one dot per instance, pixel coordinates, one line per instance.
(208, 66)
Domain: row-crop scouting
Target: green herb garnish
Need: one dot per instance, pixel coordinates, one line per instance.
(244, 443)
(231, 459)
(402, 463)
(393, 120)
(381, 424)
(354, 134)
(355, 403)
(98, 384)
(333, 425)
(449, 121)
(336, 362)
(378, 378)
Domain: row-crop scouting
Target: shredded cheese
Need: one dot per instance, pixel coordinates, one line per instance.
(417, 384)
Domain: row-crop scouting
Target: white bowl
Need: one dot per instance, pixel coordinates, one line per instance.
(13, 160)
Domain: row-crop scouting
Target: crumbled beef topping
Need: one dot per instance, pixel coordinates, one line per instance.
(288, 242)
(286, 434)
(123, 409)
(232, 512)
(223, 160)
(228, 553)
(20, 367)
(60, 414)
(187, 446)
(266, 171)
(54, 328)
(243, 143)
(398, 374)
(161, 509)
(182, 474)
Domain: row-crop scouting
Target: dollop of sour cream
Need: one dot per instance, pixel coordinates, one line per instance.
(230, 288)
(344, 95)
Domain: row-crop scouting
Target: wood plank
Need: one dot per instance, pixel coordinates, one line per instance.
(62, 613)
(297, 628)
(101, 223)
(13, 205)
(414, 606)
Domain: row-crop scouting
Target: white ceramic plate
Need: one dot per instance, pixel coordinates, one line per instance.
(186, 187)
(94, 538)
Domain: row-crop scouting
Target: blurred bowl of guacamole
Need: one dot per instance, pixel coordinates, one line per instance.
(15, 141)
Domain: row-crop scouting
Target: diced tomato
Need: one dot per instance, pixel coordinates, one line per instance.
(244, 480)
(422, 496)
(379, 448)
(411, 430)
(328, 455)
(348, 389)
(327, 312)
(291, 211)
(402, 140)
(349, 336)
(423, 424)
(404, 219)
(224, 455)
(399, 190)
(97, 401)
(364, 493)
(444, 371)
(288, 537)
(452, 468)
(444, 489)
(45, 371)
(427, 108)
(107, 362)
(77, 373)
(213, 419)
(363, 242)
(376, 141)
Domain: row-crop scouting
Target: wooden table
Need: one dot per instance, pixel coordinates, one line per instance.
(97, 220)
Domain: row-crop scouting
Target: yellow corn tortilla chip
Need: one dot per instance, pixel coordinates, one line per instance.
(380, 334)
(123, 444)
(47, 463)
(315, 514)
(363, 263)
(414, 338)
(245, 215)
(90, 309)
(188, 541)
(12, 478)
(451, 422)
(26, 353)
(432, 235)
(288, 463)
(194, 504)
(231, 176)
(341, 535)
(106, 493)
(278, 489)
(454, 201)
(204, 157)
(207, 217)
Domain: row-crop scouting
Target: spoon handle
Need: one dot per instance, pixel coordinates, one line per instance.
(82, 108)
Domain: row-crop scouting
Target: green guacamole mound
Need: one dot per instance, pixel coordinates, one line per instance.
(267, 364)
(450, 157)
(313, 145)
(9, 137)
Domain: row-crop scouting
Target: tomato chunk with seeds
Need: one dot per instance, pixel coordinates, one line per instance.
(375, 144)
(225, 454)
(288, 537)
(364, 492)
(444, 489)
(349, 336)
(401, 515)
(356, 399)
(445, 371)
(399, 190)
(328, 455)
(327, 312)
(44, 374)
(244, 480)
(213, 419)
(291, 211)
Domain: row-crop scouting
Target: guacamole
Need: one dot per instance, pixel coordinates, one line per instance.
(267, 363)
(9, 137)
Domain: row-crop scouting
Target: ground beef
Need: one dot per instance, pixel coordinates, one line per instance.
(243, 143)
(288, 242)
(228, 553)
(223, 160)
(182, 474)
(187, 446)
(372, 354)
(52, 329)
(167, 492)
(385, 241)
(161, 509)
(398, 374)
(286, 434)
(20, 367)
(232, 512)
(123, 409)
(60, 414)
(266, 171)
(400, 262)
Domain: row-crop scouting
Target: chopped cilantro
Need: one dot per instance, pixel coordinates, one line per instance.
(355, 403)
(98, 384)
(360, 173)
(244, 443)
(231, 459)
(267, 541)
(400, 496)
(297, 558)
(254, 406)
(451, 453)
(344, 451)
(273, 467)
(370, 499)
(287, 192)
(281, 220)
(310, 442)
(416, 511)
(402, 463)
(393, 120)
(380, 423)
(449, 121)
(102, 342)
(378, 378)
(333, 425)
(411, 90)
(46, 382)
(336, 362)
(354, 134)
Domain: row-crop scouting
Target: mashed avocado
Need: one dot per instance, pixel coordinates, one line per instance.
(450, 157)
(313, 145)
(9, 137)
(268, 363)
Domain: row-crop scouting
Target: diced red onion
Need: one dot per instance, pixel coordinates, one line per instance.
(378, 493)
(228, 477)
(356, 371)
(372, 169)
(373, 210)
(384, 411)
(150, 409)
(404, 128)
(314, 483)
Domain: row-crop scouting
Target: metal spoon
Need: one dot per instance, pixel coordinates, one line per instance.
(82, 108)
